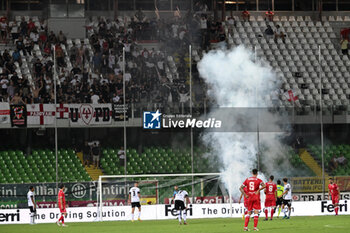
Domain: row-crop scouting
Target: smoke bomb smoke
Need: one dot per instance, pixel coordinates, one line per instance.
(236, 80)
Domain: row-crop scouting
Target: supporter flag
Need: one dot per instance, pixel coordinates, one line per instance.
(41, 114)
(4, 113)
(18, 114)
(62, 111)
(90, 114)
(291, 95)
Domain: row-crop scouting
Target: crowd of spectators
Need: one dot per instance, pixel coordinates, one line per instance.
(91, 71)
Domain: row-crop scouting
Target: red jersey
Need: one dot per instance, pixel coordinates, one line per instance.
(271, 188)
(253, 185)
(245, 189)
(333, 189)
(61, 197)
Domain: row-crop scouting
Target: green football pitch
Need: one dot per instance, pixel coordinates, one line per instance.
(318, 224)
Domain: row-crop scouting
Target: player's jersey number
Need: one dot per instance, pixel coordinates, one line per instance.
(270, 188)
(251, 186)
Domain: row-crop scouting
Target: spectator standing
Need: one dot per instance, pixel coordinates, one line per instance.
(231, 25)
(96, 150)
(11, 89)
(30, 26)
(61, 38)
(279, 34)
(24, 27)
(245, 15)
(86, 154)
(269, 32)
(14, 30)
(59, 56)
(17, 99)
(121, 155)
(34, 36)
(95, 98)
(16, 56)
(3, 28)
(269, 15)
(38, 68)
(28, 46)
(344, 46)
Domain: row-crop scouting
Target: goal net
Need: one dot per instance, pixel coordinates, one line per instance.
(158, 189)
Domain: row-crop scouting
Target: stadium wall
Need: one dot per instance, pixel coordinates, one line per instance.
(161, 212)
(71, 27)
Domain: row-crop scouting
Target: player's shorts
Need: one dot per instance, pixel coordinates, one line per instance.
(32, 210)
(254, 203)
(135, 204)
(335, 200)
(179, 205)
(287, 202)
(279, 201)
(270, 202)
(246, 203)
(63, 211)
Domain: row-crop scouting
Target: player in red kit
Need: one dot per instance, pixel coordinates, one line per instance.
(245, 202)
(271, 195)
(62, 205)
(253, 185)
(333, 190)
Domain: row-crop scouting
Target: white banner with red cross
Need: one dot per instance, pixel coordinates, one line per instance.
(62, 111)
(40, 114)
(5, 113)
(90, 114)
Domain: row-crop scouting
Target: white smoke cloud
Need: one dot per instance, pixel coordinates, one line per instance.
(235, 80)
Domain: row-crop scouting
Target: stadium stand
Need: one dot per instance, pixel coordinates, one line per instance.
(16, 167)
(40, 166)
(93, 66)
(337, 158)
(299, 56)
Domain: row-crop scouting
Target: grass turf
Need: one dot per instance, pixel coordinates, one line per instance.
(317, 224)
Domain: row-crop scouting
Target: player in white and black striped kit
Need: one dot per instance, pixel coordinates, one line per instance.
(287, 198)
(180, 197)
(31, 204)
(134, 198)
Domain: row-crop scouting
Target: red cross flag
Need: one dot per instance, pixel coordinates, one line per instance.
(291, 95)
(62, 111)
(40, 114)
(4, 113)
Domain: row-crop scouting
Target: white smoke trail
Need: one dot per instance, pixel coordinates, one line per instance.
(236, 81)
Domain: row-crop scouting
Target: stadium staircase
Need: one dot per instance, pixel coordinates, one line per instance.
(94, 173)
(311, 162)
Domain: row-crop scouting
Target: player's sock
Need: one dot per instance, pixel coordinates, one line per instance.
(60, 219)
(179, 215)
(336, 210)
(266, 213)
(139, 215)
(31, 218)
(246, 221)
(256, 219)
(289, 210)
(272, 212)
(132, 216)
(184, 216)
(279, 211)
